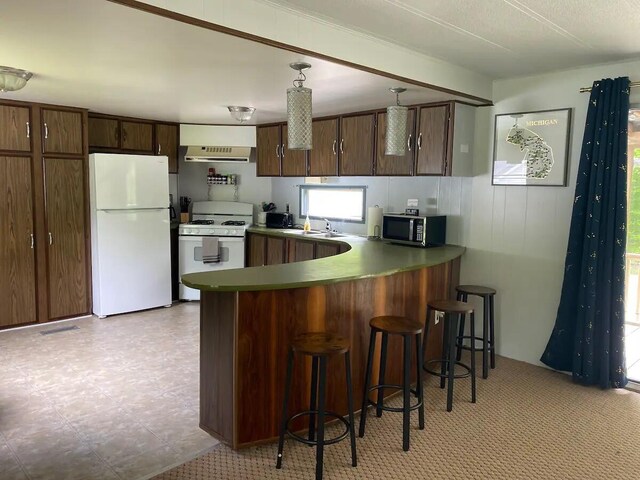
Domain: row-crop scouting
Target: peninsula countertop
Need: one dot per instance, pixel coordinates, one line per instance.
(366, 258)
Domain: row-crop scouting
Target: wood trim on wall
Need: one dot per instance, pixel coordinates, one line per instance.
(291, 48)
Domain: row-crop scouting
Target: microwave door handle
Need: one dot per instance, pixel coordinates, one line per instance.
(411, 230)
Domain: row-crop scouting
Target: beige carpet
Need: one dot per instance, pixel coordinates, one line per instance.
(528, 423)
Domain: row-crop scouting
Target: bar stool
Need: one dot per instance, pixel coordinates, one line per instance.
(452, 310)
(319, 346)
(391, 325)
(488, 337)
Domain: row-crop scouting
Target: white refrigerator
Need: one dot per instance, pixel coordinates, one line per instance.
(130, 241)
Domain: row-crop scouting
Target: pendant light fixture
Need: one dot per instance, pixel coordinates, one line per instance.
(396, 135)
(12, 79)
(299, 114)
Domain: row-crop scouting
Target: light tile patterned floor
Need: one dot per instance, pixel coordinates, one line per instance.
(115, 398)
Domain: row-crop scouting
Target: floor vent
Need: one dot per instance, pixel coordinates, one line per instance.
(58, 330)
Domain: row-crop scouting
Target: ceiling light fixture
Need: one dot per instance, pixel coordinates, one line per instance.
(12, 79)
(299, 114)
(396, 134)
(241, 114)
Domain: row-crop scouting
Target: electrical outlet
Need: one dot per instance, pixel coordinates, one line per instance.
(439, 316)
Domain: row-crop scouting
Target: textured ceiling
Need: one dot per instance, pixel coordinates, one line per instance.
(114, 59)
(500, 38)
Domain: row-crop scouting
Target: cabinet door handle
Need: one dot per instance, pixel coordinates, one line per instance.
(420, 141)
(409, 142)
(278, 151)
(50, 239)
(32, 240)
(46, 130)
(28, 130)
(282, 151)
(124, 135)
(159, 148)
(342, 145)
(334, 147)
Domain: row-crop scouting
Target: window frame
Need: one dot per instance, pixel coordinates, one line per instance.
(307, 187)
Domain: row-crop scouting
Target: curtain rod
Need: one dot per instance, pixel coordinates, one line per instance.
(588, 89)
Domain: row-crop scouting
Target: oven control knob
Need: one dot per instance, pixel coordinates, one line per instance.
(226, 232)
(211, 231)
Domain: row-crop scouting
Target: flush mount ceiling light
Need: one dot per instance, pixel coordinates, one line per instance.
(12, 79)
(299, 114)
(396, 134)
(241, 114)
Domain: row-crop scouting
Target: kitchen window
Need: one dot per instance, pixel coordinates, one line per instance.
(333, 202)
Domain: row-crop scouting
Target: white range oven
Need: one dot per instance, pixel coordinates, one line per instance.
(228, 222)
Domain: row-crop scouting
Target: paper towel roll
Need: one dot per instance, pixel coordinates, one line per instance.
(374, 222)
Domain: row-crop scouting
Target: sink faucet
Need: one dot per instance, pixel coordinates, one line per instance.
(328, 225)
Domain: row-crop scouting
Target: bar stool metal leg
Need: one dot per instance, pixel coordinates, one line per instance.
(472, 322)
(406, 385)
(367, 384)
(285, 407)
(383, 367)
(453, 320)
(419, 390)
(461, 297)
(492, 338)
(352, 428)
(485, 338)
(314, 395)
(444, 366)
(321, 401)
(425, 334)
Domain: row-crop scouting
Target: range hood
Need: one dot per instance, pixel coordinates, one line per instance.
(217, 154)
(217, 143)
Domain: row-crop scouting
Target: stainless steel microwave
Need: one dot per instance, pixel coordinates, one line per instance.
(424, 231)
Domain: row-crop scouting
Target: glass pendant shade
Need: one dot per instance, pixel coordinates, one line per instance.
(12, 79)
(299, 117)
(396, 134)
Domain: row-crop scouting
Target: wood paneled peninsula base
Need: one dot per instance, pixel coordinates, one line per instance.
(249, 316)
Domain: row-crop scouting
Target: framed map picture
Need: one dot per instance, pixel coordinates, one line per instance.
(531, 148)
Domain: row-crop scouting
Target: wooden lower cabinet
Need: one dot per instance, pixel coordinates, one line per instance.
(17, 254)
(276, 250)
(68, 280)
(327, 249)
(255, 250)
(301, 250)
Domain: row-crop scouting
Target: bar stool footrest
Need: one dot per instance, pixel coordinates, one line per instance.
(392, 409)
(330, 441)
(467, 347)
(446, 375)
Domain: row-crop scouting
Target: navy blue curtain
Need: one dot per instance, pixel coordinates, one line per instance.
(588, 336)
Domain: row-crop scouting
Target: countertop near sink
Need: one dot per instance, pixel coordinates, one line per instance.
(365, 259)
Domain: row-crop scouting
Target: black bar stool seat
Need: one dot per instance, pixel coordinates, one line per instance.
(394, 325)
(320, 346)
(453, 311)
(488, 331)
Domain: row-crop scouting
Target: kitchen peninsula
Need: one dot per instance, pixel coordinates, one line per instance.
(249, 316)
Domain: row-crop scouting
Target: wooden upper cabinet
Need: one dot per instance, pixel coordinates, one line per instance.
(62, 132)
(137, 136)
(432, 131)
(294, 162)
(17, 275)
(268, 151)
(323, 157)
(357, 138)
(167, 144)
(67, 234)
(15, 128)
(392, 164)
(104, 132)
